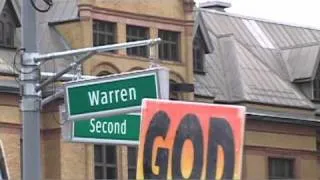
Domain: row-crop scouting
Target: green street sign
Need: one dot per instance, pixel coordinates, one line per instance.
(113, 95)
(109, 107)
(118, 129)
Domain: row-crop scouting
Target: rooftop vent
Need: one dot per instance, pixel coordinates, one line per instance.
(218, 5)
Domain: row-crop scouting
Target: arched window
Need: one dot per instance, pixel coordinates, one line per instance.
(104, 69)
(173, 94)
(104, 73)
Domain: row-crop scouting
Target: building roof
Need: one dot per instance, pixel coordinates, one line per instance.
(256, 60)
(62, 10)
(251, 59)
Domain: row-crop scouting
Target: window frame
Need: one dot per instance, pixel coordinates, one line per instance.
(290, 161)
(316, 86)
(142, 33)
(169, 40)
(132, 167)
(99, 31)
(104, 164)
(10, 35)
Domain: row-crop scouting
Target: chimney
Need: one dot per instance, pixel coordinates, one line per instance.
(218, 5)
(188, 5)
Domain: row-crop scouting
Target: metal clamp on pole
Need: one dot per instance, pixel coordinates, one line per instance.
(153, 55)
(29, 77)
(64, 71)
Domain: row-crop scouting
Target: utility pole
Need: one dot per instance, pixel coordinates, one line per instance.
(30, 103)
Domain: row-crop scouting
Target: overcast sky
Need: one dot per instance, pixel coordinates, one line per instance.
(299, 12)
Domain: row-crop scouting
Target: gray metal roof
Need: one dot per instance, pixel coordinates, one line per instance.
(48, 39)
(258, 32)
(256, 60)
(6, 61)
(62, 10)
(301, 61)
(253, 60)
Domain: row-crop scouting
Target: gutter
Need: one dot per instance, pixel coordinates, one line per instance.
(283, 119)
(12, 87)
(54, 23)
(9, 86)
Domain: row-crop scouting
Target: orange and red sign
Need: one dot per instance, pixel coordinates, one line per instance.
(190, 140)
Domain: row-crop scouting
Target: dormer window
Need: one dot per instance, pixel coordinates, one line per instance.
(8, 24)
(199, 50)
(318, 143)
(316, 86)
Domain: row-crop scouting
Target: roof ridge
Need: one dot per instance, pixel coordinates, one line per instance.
(231, 64)
(280, 78)
(317, 43)
(260, 60)
(259, 19)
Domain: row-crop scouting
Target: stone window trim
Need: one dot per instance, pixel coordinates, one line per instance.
(137, 33)
(104, 68)
(169, 48)
(104, 32)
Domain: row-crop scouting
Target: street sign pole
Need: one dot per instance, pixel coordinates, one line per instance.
(30, 103)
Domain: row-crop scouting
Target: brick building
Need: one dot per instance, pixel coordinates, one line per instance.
(230, 59)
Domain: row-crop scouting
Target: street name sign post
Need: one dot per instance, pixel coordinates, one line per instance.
(107, 109)
(117, 129)
(115, 94)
